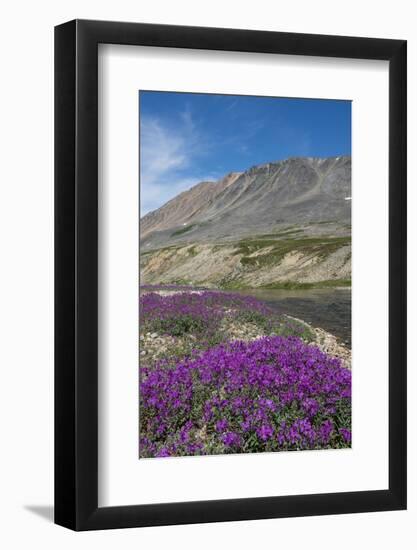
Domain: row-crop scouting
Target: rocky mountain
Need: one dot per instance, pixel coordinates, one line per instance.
(185, 206)
(265, 198)
(277, 224)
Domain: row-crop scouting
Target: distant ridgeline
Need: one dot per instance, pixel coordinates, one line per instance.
(278, 225)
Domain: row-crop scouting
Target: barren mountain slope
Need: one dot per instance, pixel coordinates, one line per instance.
(184, 206)
(265, 198)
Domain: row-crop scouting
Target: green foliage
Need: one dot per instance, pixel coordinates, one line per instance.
(192, 251)
(184, 324)
(183, 230)
(237, 284)
(277, 249)
(284, 233)
(292, 285)
(292, 327)
(281, 325)
(260, 320)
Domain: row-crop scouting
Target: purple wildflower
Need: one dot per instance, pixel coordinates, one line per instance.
(221, 425)
(231, 439)
(163, 452)
(346, 434)
(265, 432)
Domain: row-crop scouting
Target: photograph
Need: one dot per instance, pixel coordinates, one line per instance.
(245, 274)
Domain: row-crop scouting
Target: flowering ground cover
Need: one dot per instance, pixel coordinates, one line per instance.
(221, 395)
(201, 314)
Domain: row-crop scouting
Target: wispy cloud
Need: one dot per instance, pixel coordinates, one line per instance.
(167, 155)
(242, 140)
(232, 105)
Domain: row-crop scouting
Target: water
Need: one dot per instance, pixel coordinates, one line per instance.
(329, 309)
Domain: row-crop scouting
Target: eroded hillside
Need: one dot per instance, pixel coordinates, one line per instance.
(260, 262)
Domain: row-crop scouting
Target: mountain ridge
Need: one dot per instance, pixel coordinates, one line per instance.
(189, 202)
(293, 191)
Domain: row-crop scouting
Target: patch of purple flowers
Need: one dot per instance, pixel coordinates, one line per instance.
(194, 312)
(274, 393)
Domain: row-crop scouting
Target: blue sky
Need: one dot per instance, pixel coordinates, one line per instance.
(188, 138)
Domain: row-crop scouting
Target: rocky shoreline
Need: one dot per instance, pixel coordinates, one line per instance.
(329, 344)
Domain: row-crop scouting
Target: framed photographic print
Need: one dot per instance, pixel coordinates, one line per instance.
(230, 252)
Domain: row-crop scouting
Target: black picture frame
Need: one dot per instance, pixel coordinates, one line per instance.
(76, 272)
